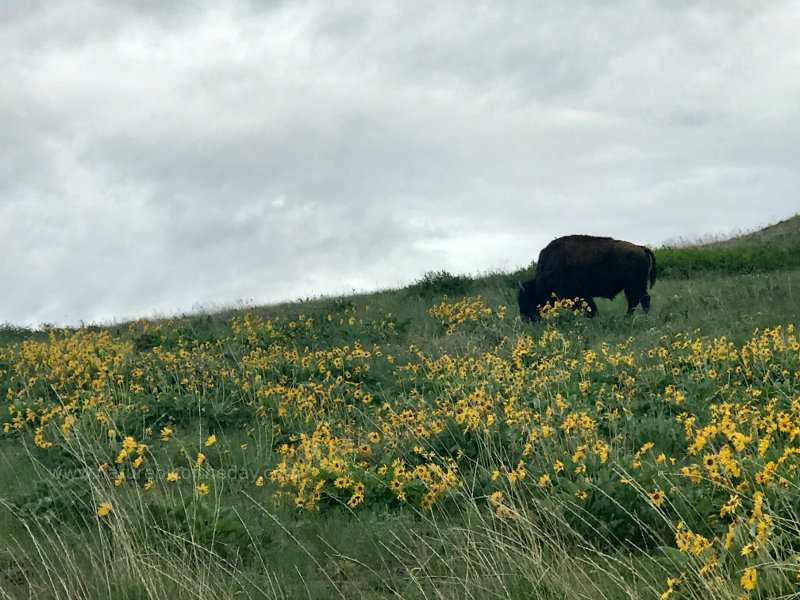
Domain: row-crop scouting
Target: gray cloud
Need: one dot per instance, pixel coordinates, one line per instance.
(157, 156)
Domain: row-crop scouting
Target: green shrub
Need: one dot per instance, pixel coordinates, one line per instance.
(441, 283)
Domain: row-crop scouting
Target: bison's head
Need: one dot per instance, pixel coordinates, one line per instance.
(528, 301)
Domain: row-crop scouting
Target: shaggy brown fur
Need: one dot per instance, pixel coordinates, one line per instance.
(588, 267)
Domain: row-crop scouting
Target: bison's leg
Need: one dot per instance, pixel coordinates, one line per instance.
(637, 296)
(646, 302)
(633, 297)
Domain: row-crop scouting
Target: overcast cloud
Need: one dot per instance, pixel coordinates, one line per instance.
(160, 156)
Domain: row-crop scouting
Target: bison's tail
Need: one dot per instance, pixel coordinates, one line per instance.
(652, 266)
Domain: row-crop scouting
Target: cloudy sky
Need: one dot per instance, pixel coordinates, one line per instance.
(158, 157)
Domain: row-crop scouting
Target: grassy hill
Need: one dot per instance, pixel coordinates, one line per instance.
(418, 443)
(773, 248)
(783, 234)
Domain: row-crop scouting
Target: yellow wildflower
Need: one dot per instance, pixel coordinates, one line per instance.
(670, 583)
(749, 549)
(730, 505)
(657, 497)
(711, 563)
(749, 579)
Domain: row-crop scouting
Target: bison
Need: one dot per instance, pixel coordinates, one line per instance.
(586, 267)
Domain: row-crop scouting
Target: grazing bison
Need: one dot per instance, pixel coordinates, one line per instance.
(585, 266)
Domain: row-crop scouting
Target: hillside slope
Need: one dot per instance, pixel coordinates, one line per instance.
(774, 248)
(783, 234)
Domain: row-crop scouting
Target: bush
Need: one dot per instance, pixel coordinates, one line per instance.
(441, 283)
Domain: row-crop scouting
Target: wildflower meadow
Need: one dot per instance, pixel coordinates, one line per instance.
(404, 444)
